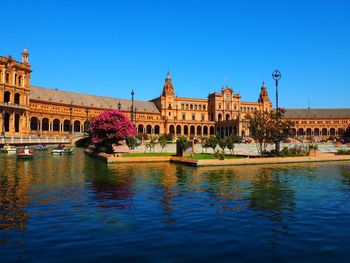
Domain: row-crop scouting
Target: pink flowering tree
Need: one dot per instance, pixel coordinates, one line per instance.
(111, 126)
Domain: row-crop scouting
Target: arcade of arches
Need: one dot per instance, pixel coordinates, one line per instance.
(28, 110)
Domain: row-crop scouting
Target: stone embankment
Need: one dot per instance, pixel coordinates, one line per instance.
(109, 158)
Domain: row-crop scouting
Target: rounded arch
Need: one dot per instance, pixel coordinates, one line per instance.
(199, 130)
(45, 124)
(219, 117)
(17, 98)
(205, 130)
(192, 130)
(140, 128)
(185, 130)
(301, 131)
(56, 125)
(76, 126)
(308, 132)
(149, 129)
(227, 117)
(7, 96)
(324, 132)
(191, 107)
(171, 129)
(66, 125)
(316, 131)
(332, 132)
(178, 129)
(156, 129)
(34, 123)
(212, 130)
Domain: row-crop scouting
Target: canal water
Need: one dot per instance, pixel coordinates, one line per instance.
(78, 209)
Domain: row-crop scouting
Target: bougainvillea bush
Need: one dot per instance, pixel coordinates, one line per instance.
(111, 126)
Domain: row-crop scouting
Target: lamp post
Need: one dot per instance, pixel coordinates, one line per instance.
(132, 106)
(70, 120)
(119, 105)
(276, 75)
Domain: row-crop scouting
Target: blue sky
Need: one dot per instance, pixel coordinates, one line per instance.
(111, 47)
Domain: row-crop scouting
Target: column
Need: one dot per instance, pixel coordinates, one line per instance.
(12, 123)
(41, 125)
(1, 124)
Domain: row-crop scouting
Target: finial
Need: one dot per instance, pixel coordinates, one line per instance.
(226, 81)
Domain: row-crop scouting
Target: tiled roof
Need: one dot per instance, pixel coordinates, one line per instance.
(84, 100)
(317, 113)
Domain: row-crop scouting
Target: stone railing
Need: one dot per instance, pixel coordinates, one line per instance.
(33, 140)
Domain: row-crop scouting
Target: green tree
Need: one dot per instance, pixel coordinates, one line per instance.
(280, 129)
(259, 126)
(222, 143)
(213, 142)
(205, 144)
(163, 141)
(230, 142)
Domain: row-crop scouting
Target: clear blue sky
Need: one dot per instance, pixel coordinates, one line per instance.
(110, 47)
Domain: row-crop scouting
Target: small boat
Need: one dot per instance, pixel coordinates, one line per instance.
(40, 147)
(10, 149)
(63, 151)
(25, 154)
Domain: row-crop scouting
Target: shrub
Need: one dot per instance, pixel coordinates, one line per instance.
(111, 126)
(343, 152)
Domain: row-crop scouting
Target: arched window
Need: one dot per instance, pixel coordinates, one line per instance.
(227, 117)
(171, 129)
(191, 107)
(178, 129)
(56, 125)
(185, 130)
(34, 123)
(7, 96)
(308, 132)
(17, 98)
(205, 130)
(301, 131)
(199, 130)
(66, 126)
(45, 124)
(140, 128)
(220, 117)
(156, 129)
(76, 126)
(332, 132)
(316, 132)
(324, 132)
(192, 130)
(149, 129)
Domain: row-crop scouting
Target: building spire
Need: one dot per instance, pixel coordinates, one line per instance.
(168, 88)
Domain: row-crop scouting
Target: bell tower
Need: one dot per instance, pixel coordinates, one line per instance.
(264, 99)
(168, 88)
(25, 56)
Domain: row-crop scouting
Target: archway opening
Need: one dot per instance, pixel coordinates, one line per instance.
(45, 124)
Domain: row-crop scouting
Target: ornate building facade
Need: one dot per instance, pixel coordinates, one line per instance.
(28, 110)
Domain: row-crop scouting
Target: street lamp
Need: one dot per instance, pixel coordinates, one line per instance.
(119, 105)
(70, 121)
(132, 106)
(276, 75)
